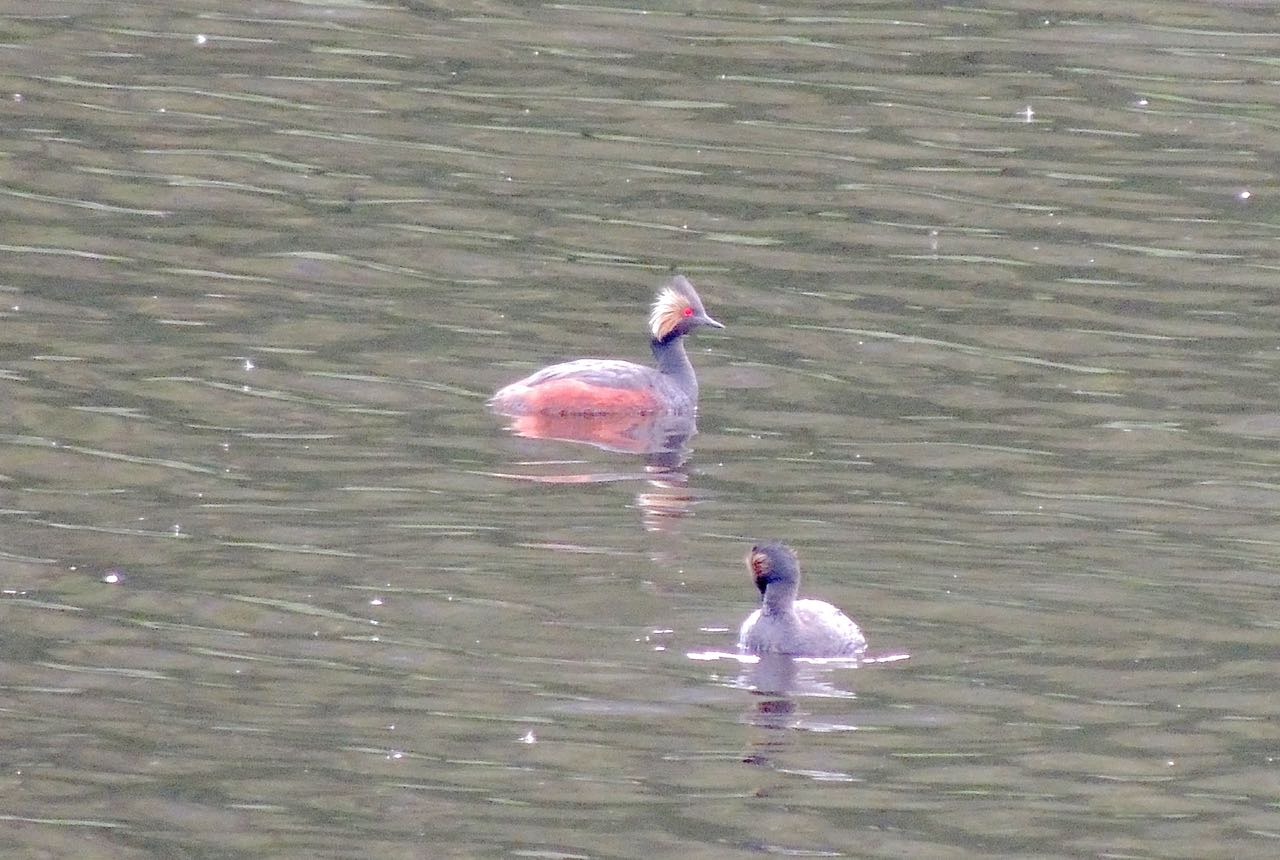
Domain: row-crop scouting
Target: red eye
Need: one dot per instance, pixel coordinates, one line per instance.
(688, 311)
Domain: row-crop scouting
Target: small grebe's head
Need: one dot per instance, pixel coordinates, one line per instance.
(773, 562)
(677, 311)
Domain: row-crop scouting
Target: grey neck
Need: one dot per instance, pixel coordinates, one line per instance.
(674, 362)
(779, 597)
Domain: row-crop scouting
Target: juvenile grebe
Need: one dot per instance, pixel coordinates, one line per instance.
(785, 625)
(600, 386)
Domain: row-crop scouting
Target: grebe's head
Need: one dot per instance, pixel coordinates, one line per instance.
(773, 562)
(677, 311)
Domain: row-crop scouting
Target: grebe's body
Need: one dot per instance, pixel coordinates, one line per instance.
(600, 386)
(785, 625)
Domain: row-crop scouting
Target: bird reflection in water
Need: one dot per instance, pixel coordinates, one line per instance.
(780, 684)
(662, 440)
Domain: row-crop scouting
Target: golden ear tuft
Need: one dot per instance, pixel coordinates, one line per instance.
(668, 310)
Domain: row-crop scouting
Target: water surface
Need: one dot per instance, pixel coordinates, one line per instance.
(1000, 360)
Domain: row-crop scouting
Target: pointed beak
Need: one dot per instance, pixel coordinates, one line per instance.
(706, 320)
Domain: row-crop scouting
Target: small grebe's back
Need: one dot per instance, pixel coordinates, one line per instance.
(601, 386)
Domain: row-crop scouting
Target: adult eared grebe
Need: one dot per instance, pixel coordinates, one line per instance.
(599, 386)
(785, 625)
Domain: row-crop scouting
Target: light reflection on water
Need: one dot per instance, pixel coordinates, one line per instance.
(1009, 376)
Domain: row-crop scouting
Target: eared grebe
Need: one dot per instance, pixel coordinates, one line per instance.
(785, 625)
(598, 386)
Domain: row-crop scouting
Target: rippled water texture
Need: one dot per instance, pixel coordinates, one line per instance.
(1001, 358)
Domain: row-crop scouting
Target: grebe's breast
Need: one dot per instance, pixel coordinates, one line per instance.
(813, 628)
(591, 386)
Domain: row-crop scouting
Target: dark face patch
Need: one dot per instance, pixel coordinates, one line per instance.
(761, 567)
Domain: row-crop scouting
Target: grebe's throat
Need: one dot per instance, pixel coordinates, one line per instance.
(673, 361)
